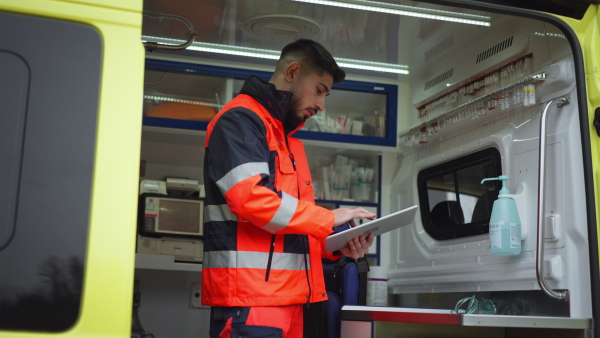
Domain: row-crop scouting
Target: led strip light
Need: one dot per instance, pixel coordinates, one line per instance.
(178, 100)
(417, 12)
(274, 55)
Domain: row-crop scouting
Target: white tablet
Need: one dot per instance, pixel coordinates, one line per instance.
(377, 227)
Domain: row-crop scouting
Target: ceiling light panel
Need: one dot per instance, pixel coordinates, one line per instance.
(417, 12)
(274, 55)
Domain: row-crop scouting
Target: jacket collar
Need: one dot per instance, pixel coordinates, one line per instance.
(277, 102)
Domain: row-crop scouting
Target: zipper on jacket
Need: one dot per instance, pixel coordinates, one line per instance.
(293, 160)
(305, 238)
(270, 261)
(287, 144)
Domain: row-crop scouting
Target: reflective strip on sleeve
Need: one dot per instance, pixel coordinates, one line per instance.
(218, 213)
(219, 259)
(287, 261)
(284, 214)
(241, 173)
(252, 260)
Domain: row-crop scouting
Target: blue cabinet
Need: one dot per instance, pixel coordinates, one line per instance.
(183, 95)
(343, 143)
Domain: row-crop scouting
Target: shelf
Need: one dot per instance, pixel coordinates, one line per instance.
(175, 124)
(360, 123)
(164, 262)
(534, 78)
(445, 317)
(466, 111)
(173, 135)
(188, 132)
(333, 143)
(348, 202)
(189, 86)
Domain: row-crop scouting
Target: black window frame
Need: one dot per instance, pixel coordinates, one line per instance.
(452, 167)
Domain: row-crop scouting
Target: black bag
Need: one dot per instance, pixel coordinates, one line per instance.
(346, 282)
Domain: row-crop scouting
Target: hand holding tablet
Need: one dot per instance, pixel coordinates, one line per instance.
(377, 227)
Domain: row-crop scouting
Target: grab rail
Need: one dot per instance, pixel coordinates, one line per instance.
(558, 295)
(150, 46)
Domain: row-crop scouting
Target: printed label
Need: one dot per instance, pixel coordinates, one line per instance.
(515, 235)
(496, 235)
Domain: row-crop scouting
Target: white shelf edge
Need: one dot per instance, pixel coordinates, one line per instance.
(164, 262)
(341, 146)
(168, 130)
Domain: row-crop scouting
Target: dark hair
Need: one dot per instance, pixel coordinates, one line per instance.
(312, 55)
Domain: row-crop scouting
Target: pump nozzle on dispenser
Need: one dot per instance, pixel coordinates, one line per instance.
(505, 225)
(503, 178)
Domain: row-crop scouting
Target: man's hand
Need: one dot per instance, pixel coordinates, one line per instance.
(343, 215)
(358, 247)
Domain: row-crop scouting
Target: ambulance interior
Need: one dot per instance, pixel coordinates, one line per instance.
(436, 99)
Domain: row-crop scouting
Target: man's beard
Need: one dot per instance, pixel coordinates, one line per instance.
(293, 118)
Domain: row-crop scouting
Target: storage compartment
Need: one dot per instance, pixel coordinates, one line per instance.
(466, 105)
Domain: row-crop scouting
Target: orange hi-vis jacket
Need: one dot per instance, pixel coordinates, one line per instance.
(261, 224)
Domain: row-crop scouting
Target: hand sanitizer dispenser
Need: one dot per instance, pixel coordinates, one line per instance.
(505, 225)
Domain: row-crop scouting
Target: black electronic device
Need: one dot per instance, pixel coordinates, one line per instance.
(170, 216)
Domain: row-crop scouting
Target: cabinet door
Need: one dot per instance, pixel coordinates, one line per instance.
(350, 175)
(355, 113)
(187, 96)
(182, 100)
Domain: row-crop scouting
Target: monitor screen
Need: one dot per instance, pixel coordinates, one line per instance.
(179, 216)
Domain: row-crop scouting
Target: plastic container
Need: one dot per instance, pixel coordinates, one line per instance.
(505, 224)
(377, 288)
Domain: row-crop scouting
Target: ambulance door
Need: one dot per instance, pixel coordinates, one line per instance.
(70, 108)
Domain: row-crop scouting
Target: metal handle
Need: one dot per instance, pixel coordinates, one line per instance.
(559, 295)
(191, 35)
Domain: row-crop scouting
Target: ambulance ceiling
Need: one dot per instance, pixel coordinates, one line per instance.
(362, 34)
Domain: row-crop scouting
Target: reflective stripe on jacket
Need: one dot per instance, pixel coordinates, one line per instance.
(260, 220)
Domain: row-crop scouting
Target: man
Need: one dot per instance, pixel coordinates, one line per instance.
(261, 224)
